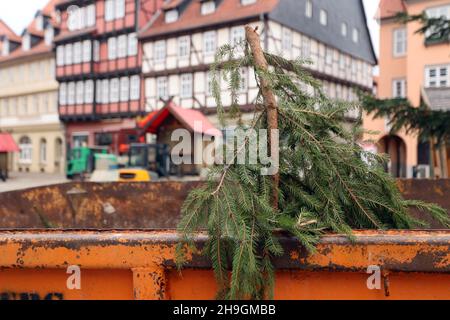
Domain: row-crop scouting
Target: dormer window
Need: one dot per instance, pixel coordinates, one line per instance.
(171, 16)
(48, 37)
(208, 7)
(5, 47)
(26, 43)
(247, 2)
(40, 22)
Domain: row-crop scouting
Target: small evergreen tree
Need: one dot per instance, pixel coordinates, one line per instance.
(327, 183)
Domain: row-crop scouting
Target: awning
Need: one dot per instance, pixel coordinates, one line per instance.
(193, 120)
(437, 99)
(7, 143)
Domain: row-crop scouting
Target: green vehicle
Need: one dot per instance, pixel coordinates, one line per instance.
(82, 161)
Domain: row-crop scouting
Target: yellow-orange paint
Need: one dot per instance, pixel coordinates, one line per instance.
(139, 265)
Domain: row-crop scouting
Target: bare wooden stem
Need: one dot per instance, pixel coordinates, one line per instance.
(270, 102)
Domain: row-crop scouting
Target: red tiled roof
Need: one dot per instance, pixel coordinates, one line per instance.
(5, 30)
(71, 34)
(7, 143)
(49, 11)
(49, 8)
(191, 17)
(39, 48)
(389, 8)
(192, 119)
(20, 53)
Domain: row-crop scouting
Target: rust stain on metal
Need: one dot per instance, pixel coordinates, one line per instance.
(154, 205)
(413, 251)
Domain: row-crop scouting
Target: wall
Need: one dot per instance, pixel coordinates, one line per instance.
(411, 67)
(28, 108)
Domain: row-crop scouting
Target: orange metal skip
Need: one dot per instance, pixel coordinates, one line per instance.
(140, 265)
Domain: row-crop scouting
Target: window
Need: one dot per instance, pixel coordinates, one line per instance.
(437, 76)
(135, 87)
(323, 17)
(399, 88)
(80, 93)
(77, 52)
(124, 89)
(342, 61)
(60, 56)
(80, 139)
(109, 10)
(247, 2)
(39, 23)
(34, 107)
(119, 9)
(87, 50)
(243, 80)
(112, 48)
(122, 46)
(309, 9)
(344, 29)
(43, 151)
(73, 18)
(45, 106)
(209, 83)
(68, 55)
(437, 13)
(105, 91)
(90, 15)
(63, 94)
(5, 48)
(287, 40)
(98, 91)
(114, 9)
(89, 91)
(162, 91)
(160, 51)
(114, 90)
(186, 85)
(328, 56)
(237, 35)
(400, 38)
(355, 35)
(26, 150)
(81, 17)
(26, 42)
(96, 50)
(208, 7)
(171, 16)
(184, 47)
(306, 48)
(71, 93)
(48, 36)
(132, 44)
(209, 43)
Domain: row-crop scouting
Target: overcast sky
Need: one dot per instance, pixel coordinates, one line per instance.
(18, 14)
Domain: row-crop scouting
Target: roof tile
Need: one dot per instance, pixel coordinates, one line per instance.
(191, 18)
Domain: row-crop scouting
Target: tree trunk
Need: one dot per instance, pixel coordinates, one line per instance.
(270, 101)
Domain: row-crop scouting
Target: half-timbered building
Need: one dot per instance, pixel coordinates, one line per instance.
(98, 67)
(179, 45)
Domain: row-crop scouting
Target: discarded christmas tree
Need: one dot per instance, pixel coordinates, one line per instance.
(325, 182)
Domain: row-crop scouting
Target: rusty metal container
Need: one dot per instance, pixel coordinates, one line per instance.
(140, 265)
(47, 232)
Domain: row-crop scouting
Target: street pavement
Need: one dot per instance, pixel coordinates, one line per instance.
(21, 180)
